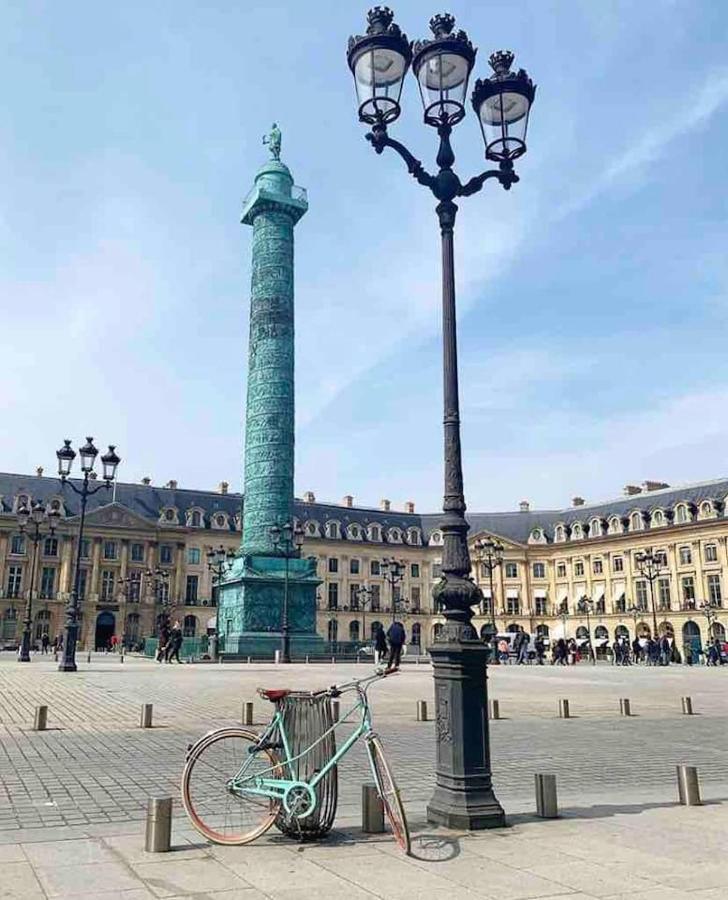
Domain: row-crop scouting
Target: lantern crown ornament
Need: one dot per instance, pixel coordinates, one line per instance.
(503, 104)
(379, 61)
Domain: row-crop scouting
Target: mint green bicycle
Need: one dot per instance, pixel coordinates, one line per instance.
(236, 782)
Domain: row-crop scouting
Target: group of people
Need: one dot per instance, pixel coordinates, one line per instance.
(170, 641)
(390, 643)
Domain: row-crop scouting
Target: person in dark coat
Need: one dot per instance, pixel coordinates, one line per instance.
(396, 635)
(175, 642)
(380, 645)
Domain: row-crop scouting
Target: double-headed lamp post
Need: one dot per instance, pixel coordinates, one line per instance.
(287, 540)
(489, 556)
(585, 606)
(393, 572)
(110, 463)
(635, 611)
(709, 609)
(379, 61)
(650, 565)
(30, 521)
(158, 579)
(363, 597)
(219, 563)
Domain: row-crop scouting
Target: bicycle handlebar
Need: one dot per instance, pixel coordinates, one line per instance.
(336, 690)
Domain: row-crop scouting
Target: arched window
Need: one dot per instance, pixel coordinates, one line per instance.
(333, 631)
(375, 532)
(621, 631)
(615, 525)
(189, 627)
(437, 630)
(542, 631)
(312, 528)
(577, 532)
(132, 627)
(394, 536)
(332, 530)
(601, 632)
(417, 634)
(195, 519)
(354, 532)
(706, 509)
(595, 528)
(414, 537)
(42, 623)
(658, 518)
(560, 533)
(220, 521)
(635, 521)
(354, 631)
(436, 537)
(681, 514)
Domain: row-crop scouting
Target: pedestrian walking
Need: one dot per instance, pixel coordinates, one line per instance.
(560, 652)
(163, 643)
(175, 642)
(44, 641)
(503, 651)
(540, 648)
(397, 636)
(380, 645)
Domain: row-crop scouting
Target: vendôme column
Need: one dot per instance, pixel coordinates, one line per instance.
(251, 596)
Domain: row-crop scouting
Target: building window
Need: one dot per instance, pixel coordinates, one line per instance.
(539, 570)
(376, 597)
(715, 594)
(85, 548)
(511, 570)
(686, 556)
(333, 631)
(597, 567)
(663, 593)
(47, 582)
(578, 567)
(50, 546)
(109, 549)
(415, 570)
(711, 553)
(17, 545)
(107, 585)
(195, 519)
(191, 590)
(132, 627)
(137, 553)
(688, 592)
(135, 585)
(621, 605)
(641, 594)
(42, 623)
(513, 606)
(681, 515)
(600, 606)
(82, 581)
(560, 533)
(436, 570)
(375, 567)
(415, 599)
(333, 595)
(333, 564)
(353, 566)
(353, 596)
(332, 530)
(193, 556)
(561, 570)
(165, 554)
(618, 564)
(189, 626)
(636, 521)
(541, 606)
(15, 581)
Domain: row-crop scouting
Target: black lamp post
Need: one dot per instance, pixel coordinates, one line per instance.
(634, 611)
(363, 597)
(379, 61)
(393, 572)
(585, 606)
(109, 462)
(158, 579)
(219, 563)
(287, 540)
(34, 516)
(650, 566)
(564, 613)
(709, 609)
(489, 556)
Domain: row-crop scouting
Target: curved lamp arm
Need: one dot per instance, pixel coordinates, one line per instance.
(379, 139)
(505, 175)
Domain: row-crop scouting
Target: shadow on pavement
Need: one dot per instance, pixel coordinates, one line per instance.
(605, 810)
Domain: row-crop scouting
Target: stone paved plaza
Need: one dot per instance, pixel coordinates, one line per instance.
(73, 798)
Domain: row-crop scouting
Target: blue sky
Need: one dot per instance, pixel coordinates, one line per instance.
(592, 298)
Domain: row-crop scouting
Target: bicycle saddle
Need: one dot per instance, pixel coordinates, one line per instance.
(274, 694)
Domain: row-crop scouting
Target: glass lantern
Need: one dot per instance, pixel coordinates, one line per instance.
(442, 67)
(503, 103)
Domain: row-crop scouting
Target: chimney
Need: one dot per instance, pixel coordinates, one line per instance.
(631, 489)
(146, 480)
(577, 501)
(348, 501)
(654, 485)
(39, 471)
(171, 484)
(524, 506)
(385, 505)
(309, 497)
(409, 507)
(223, 487)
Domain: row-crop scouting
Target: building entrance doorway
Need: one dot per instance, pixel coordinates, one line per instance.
(105, 628)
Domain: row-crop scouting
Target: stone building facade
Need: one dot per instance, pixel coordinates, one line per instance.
(552, 559)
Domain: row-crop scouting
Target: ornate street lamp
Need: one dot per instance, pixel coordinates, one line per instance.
(585, 605)
(709, 609)
(109, 462)
(219, 563)
(287, 540)
(564, 613)
(158, 580)
(650, 566)
(363, 597)
(393, 572)
(489, 556)
(379, 60)
(634, 611)
(36, 516)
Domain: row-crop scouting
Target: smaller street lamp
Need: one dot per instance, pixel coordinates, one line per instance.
(564, 613)
(219, 563)
(709, 609)
(287, 540)
(109, 463)
(36, 516)
(585, 605)
(363, 597)
(393, 572)
(650, 566)
(159, 580)
(489, 556)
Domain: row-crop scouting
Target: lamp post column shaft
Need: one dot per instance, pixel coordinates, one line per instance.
(653, 575)
(68, 663)
(28, 618)
(286, 637)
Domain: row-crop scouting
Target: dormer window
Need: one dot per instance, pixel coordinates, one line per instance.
(394, 536)
(312, 528)
(414, 537)
(706, 510)
(168, 516)
(577, 531)
(332, 531)
(436, 537)
(375, 532)
(194, 518)
(595, 528)
(220, 521)
(22, 500)
(615, 525)
(635, 521)
(681, 514)
(353, 532)
(658, 518)
(559, 533)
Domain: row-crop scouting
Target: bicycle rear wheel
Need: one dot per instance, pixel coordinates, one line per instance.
(223, 813)
(389, 793)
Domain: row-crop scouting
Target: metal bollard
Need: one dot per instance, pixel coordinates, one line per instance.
(121, 657)
(277, 657)
(688, 786)
(564, 709)
(88, 657)
(247, 713)
(335, 710)
(547, 806)
(422, 710)
(687, 706)
(372, 810)
(495, 709)
(624, 707)
(333, 660)
(248, 660)
(146, 717)
(40, 720)
(306, 659)
(159, 825)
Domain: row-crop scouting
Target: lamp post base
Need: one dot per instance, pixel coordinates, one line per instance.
(67, 666)
(463, 797)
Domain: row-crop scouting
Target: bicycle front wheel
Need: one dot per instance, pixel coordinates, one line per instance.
(213, 787)
(389, 793)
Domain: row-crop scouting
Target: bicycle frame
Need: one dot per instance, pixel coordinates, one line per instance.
(279, 788)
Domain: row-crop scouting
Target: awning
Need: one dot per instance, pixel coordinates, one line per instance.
(600, 642)
(539, 593)
(618, 589)
(212, 622)
(597, 592)
(512, 593)
(486, 593)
